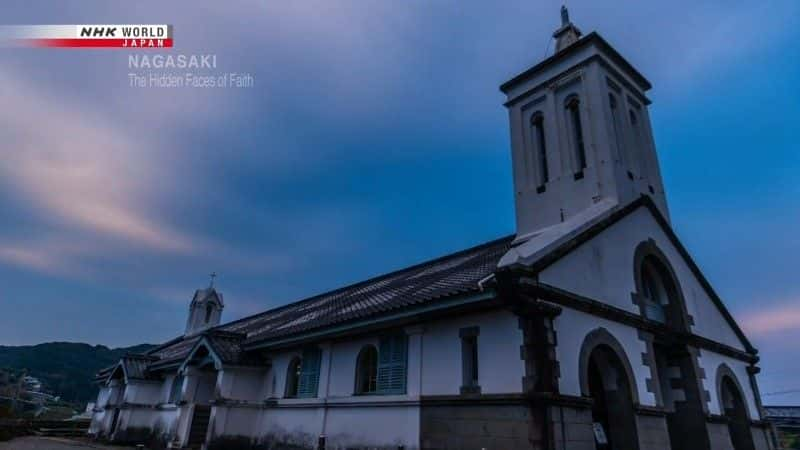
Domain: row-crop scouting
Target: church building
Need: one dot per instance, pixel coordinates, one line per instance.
(589, 328)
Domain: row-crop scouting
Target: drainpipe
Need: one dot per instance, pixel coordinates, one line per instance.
(325, 400)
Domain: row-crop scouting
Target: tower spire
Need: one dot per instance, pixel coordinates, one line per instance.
(568, 33)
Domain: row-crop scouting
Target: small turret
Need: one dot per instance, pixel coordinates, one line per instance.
(205, 310)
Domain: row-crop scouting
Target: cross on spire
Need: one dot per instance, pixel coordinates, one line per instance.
(213, 275)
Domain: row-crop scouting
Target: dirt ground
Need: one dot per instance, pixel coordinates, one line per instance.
(42, 443)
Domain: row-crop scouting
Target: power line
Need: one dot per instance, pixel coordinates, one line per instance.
(788, 391)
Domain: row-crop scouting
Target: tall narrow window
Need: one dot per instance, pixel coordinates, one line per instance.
(638, 146)
(540, 149)
(392, 361)
(293, 378)
(209, 310)
(367, 371)
(655, 293)
(574, 112)
(309, 373)
(617, 124)
(469, 360)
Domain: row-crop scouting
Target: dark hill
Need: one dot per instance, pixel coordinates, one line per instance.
(65, 368)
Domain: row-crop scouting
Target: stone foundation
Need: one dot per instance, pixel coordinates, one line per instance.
(572, 428)
(653, 432)
(461, 426)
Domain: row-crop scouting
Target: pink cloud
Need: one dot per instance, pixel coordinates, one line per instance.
(780, 318)
(79, 169)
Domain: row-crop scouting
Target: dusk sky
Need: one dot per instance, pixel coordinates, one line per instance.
(374, 138)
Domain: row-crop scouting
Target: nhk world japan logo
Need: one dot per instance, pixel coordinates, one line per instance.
(87, 36)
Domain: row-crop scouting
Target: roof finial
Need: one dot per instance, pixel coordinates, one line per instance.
(212, 275)
(568, 33)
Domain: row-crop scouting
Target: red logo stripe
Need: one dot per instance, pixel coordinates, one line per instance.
(101, 43)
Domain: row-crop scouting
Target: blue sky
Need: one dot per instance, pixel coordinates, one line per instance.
(374, 137)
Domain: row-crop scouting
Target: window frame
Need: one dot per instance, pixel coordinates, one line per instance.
(619, 132)
(372, 375)
(393, 364)
(539, 144)
(656, 296)
(293, 372)
(311, 362)
(576, 136)
(209, 311)
(470, 360)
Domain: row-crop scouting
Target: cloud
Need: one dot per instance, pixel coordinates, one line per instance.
(26, 257)
(78, 169)
(778, 319)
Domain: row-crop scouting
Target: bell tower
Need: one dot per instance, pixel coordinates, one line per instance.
(580, 133)
(205, 310)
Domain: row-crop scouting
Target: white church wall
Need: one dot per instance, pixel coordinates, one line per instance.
(343, 365)
(99, 413)
(500, 369)
(103, 396)
(143, 392)
(236, 421)
(344, 427)
(372, 429)
(166, 420)
(244, 384)
(710, 363)
(166, 387)
(139, 418)
(572, 327)
(602, 269)
(291, 425)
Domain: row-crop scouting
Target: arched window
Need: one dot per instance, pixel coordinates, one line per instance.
(175, 390)
(540, 149)
(576, 132)
(634, 118)
(658, 291)
(367, 371)
(209, 310)
(656, 296)
(637, 141)
(617, 124)
(293, 377)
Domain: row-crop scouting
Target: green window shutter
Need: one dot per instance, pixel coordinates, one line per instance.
(392, 361)
(309, 373)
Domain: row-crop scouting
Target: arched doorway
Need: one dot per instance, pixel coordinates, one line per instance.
(672, 362)
(734, 408)
(608, 380)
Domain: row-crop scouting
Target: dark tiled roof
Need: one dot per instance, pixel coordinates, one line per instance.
(174, 352)
(103, 373)
(136, 366)
(228, 347)
(425, 283)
